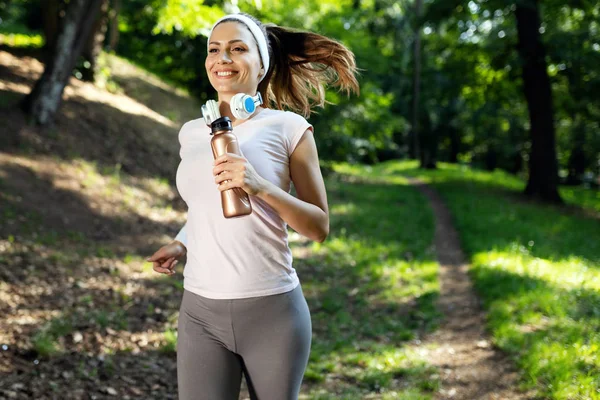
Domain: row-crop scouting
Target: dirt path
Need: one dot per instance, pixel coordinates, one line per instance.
(470, 367)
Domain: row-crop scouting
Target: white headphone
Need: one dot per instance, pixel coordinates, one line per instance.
(243, 105)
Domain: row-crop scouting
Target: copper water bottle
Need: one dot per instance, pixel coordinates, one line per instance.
(235, 202)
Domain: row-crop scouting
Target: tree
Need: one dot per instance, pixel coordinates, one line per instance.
(51, 14)
(44, 100)
(417, 83)
(113, 30)
(93, 46)
(543, 168)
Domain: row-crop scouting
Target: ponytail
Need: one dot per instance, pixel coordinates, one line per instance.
(301, 64)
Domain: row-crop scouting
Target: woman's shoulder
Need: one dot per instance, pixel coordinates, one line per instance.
(192, 123)
(283, 113)
(285, 117)
(290, 125)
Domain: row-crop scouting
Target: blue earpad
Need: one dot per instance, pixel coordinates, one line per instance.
(243, 105)
(249, 104)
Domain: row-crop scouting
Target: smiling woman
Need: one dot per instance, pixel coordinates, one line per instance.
(243, 309)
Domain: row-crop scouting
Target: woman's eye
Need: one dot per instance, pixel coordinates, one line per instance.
(212, 50)
(239, 49)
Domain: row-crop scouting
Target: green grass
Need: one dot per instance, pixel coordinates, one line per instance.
(18, 37)
(170, 345)
(48, 340)
(371, 287)
(586, 198)
(537, 269)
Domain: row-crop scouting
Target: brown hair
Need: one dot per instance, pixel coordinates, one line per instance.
(301, 64)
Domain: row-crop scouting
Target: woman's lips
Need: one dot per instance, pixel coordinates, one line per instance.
(229, 75)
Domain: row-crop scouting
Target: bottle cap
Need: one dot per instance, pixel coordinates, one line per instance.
(221, 124)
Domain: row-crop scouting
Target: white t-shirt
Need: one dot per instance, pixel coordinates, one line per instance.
(246, 256)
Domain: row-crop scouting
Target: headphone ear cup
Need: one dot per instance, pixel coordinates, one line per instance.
(237, 106)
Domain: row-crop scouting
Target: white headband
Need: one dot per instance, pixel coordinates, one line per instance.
(259, 36)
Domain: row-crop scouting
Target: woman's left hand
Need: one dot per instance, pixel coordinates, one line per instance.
(238, 171)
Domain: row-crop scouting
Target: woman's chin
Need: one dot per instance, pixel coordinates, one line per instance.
(231, 89)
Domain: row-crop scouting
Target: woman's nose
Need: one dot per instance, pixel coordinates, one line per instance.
(224, 57)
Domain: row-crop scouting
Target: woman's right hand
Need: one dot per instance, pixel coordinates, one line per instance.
(165, 258)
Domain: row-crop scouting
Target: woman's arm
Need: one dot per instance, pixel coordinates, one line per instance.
(308, 214)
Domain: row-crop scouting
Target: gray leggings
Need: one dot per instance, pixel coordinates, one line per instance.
(267, 338)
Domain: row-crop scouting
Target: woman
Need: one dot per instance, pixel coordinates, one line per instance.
(243, 310)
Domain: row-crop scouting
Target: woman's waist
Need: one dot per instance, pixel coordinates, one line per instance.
(237, 250)
(240, 289)
(232, 270)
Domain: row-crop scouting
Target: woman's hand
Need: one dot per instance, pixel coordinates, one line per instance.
(165, 258)
(238, 172)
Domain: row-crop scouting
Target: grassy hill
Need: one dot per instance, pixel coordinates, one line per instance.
(82, 203)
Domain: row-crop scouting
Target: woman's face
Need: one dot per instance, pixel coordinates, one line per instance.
(233, 61)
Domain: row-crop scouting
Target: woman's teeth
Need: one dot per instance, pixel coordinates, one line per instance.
(224, 73)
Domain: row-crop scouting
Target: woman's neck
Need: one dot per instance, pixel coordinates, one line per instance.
(225, 111)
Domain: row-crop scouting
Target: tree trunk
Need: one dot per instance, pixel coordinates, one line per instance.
(51, 10)
(113, 32)
(455, 143)
(543, 168)
(416, 82)
(93, 45)
(43, 101)
(491, 158)
(428, 138)
(577, 161)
